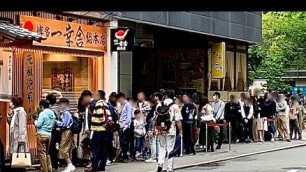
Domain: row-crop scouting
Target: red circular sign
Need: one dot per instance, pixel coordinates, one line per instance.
(28, 25)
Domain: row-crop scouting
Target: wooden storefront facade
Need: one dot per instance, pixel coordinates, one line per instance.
(28, 76)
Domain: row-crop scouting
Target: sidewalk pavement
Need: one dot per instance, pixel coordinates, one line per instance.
(237, 150)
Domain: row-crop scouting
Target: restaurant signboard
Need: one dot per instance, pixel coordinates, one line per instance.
(64, 34)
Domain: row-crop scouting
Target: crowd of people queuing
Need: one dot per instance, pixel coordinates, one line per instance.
(161, 127)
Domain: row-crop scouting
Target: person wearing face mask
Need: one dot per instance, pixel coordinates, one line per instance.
(218, 110)
(281, 118)
(233, 115)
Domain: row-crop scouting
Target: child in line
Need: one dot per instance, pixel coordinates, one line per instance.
(139, 133)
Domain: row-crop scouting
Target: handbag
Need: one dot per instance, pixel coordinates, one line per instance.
(109, 124)
(21, 160)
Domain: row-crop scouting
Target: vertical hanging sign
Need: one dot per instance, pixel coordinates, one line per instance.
(29, 83)
(218, 60)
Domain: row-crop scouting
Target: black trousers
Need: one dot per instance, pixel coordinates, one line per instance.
(2, 160)
(247, 130)
(221, 134)
(99, 153)
(55, 138)
(187, 138)
(124, 143)
(235, 132)
(111, 151)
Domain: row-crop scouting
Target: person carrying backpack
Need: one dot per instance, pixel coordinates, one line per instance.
(65, 124)
(167, 117)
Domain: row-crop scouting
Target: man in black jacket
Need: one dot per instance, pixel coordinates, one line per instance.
(233, 115)
(269, 111)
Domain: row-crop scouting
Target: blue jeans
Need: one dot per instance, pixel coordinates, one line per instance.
(140, 146)
(99, 154)
(271, 128)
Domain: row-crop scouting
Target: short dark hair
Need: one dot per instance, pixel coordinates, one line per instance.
(113, 94)
(44, 104)
(51, 98)
(120, 95)
(101, 94)
(86, 93)
(136, 112)
(159, 95)
(63, 100)
(17, 101)
(169, 94)
(217, 94)
(187, 94)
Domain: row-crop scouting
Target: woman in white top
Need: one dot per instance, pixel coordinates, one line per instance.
(247, 113)
(207, 117)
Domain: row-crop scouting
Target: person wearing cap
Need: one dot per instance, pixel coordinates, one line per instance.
(167, 138)
(218, 110)
(281, 119)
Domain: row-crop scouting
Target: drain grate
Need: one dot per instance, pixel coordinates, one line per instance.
(294, 168)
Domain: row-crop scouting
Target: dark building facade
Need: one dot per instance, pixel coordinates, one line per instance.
(173, 49)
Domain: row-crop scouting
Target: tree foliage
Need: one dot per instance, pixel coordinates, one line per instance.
(284, 43)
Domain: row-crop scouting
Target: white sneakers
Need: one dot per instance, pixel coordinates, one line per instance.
(69, 168)
(108, 163)
(150, 160)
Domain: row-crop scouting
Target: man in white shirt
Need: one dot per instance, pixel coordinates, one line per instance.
(218, 111)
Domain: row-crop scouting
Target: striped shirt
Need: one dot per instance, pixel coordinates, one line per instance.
(98, 117)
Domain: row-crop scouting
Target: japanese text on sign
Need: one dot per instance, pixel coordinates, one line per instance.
(66, 34)
(29, 88)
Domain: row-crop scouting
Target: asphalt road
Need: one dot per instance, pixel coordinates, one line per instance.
(290, 160)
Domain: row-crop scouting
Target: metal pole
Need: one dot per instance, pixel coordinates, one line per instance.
(206, 137)
(181, 154)
(229, 135)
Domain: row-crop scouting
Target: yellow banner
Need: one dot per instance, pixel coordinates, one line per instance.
(218, 60)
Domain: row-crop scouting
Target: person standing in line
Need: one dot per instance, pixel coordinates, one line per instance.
(208, 117)
(100, 114)
(268, 112)
(142, 104)
(84, 152)
(218, 110)
(232, 114)
(17, 120)
(167, 136)
(139, 133)
(301, 120)
(259, 123)
(247, 112)
(153, 141)
(44, 125)
(56, 134)
(188, 112)
(111, 149)
(293, 117)
(281, 118)
(242, 99)
(66, 144)
(125, 118)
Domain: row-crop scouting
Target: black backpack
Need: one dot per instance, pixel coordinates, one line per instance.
(163, 116)
(76, 126)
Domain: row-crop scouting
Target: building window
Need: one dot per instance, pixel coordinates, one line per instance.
(241, 71)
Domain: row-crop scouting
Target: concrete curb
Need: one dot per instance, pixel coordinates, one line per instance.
(238, 156)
